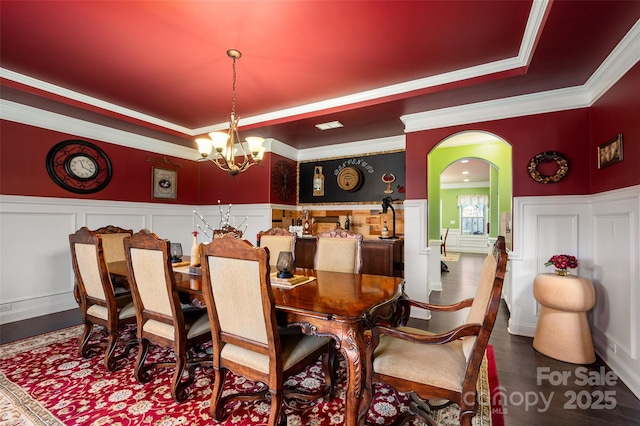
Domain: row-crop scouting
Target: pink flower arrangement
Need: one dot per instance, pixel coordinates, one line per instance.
(562, 261)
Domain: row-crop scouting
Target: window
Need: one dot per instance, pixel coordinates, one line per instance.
(473, 214)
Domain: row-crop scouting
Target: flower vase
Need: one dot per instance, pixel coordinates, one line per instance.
(562, 272)
(195, 254)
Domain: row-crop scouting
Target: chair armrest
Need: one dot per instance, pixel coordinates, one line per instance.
(446, 308)
(449, 336)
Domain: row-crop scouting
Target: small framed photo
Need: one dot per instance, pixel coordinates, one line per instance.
(165, 183)
(610, 152)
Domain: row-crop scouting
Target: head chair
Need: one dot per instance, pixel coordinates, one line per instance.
(439, 366)
(339, 250)
(277, 240)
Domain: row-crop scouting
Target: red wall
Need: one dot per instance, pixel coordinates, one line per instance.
(566, 132)
(574, 133)
(23, 151)
(617, 111)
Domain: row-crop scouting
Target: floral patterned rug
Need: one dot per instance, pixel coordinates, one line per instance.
(43, 381)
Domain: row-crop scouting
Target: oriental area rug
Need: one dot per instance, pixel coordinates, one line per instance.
(43, 381)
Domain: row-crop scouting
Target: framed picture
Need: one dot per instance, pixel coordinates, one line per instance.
(165, 183)
(610, 152)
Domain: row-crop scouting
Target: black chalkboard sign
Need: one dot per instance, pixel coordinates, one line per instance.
(354, 179)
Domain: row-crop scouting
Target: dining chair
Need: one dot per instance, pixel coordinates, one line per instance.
(438, 366)
(339, 250)
(113, 245)
(161, 319)
(246, 338)
(96, 297)
(443, 244)
(277, 240)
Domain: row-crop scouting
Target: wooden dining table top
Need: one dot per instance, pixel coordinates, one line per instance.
(329, 294)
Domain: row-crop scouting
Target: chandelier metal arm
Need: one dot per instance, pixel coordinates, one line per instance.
(224, 152)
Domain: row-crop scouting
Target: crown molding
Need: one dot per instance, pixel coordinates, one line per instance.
(89, 100)
(620, 60)
(625, 55)
(24, 114)
(392, 143)
(517, 106)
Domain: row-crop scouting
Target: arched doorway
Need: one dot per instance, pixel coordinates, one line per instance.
(477, 145)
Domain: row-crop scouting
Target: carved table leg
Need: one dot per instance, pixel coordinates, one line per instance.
(353, 350)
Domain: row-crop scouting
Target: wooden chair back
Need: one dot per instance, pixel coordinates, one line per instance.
(239, 299)
(160, 316)
(113, 242)
(339, 250)
(95, 294)
(278, 240)
(445, 365)
(443, 244)
(246, 339)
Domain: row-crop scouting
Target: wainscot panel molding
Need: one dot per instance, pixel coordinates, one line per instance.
(416, 254)
(544, 226)
(616, 277)
(459, 243)
(36, 277)
(603, 231)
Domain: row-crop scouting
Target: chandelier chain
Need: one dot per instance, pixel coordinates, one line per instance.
(233, 90)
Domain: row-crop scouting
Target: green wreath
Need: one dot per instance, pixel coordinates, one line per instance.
(561, 160)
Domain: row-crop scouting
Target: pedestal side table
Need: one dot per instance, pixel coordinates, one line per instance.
(563, 330)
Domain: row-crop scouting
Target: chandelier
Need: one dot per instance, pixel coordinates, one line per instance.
(224, 144)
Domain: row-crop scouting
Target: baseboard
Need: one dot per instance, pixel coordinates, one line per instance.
(624, 372)
(527, 330)
(27, 309)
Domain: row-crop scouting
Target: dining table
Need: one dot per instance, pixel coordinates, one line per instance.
(330, 304)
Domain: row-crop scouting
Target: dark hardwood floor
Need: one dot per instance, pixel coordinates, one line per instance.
(526, 401)
(518, 363)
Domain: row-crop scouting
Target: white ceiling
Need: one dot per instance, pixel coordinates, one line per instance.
(477, 170)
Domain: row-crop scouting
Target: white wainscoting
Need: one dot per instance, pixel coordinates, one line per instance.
(36, 277)
(458, 243)
(603, 231)
(616, 276)
(416, 255)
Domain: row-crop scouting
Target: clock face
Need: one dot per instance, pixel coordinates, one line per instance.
(82, 167)
(79, 166)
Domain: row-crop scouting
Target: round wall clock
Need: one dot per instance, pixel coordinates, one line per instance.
(283, 177)
(350, 179)
(79, 166)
